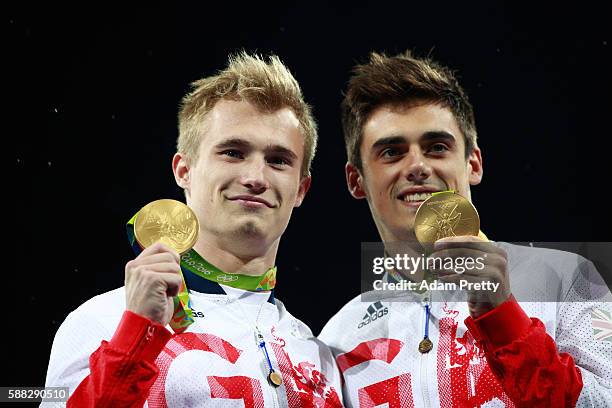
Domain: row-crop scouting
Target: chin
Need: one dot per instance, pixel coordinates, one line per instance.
(251, 228)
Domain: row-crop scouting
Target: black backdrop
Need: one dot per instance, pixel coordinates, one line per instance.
(92, 102)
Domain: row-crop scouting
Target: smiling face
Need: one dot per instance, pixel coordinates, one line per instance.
(408, 152)
(246, 180)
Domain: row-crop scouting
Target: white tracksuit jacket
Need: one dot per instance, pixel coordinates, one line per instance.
(375, 343)
(215, 363)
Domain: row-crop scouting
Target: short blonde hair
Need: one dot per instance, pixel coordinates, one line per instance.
(267, 84)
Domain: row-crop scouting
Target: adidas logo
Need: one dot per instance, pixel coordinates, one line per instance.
(375, 311)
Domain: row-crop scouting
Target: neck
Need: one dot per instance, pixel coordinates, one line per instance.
(410, 255)
(231, 257)
(408, 245)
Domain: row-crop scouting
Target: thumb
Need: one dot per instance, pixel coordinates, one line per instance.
(174, 287)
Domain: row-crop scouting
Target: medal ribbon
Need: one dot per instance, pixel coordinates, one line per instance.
(197, 271)
(194, 263)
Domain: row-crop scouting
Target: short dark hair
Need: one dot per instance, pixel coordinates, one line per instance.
(401, 79)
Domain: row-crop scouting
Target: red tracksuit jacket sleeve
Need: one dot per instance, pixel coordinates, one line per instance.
(524, 358)
(123, 370)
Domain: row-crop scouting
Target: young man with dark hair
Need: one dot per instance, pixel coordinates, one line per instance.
(410, 133)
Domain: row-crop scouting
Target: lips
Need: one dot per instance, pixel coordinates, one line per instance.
(413, 197)
(251, 201)
(416, 194)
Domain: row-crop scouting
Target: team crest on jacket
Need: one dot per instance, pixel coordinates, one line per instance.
(306, 386)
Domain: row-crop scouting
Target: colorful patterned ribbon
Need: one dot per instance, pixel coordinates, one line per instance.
(197, 265)
(197, 268)
(183, 315)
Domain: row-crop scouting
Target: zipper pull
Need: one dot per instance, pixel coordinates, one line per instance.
(426, 344)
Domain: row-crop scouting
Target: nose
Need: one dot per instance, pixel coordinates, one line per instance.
(253, 176)
(417, 168)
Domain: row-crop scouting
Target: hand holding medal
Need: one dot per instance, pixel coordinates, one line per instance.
(448, 227)
(155, 287)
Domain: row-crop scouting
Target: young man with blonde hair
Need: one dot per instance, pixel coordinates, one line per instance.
(410, 133)
(246, 141)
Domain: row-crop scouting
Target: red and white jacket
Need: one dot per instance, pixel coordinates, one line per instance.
(536, 354)
(216, 362)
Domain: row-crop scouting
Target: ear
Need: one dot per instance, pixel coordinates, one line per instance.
(303, 189)
(354, 181)
(474, 163)
(181, 169)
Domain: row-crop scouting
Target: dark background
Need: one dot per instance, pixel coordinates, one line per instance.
(91, 106)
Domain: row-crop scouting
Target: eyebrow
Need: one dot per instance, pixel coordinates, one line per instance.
(245, 144)
(425, 137)
(233, 142)
(282, 150)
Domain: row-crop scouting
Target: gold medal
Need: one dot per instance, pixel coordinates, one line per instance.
(168, 221)
(445, 214)
(275, 378)
(425, 345)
